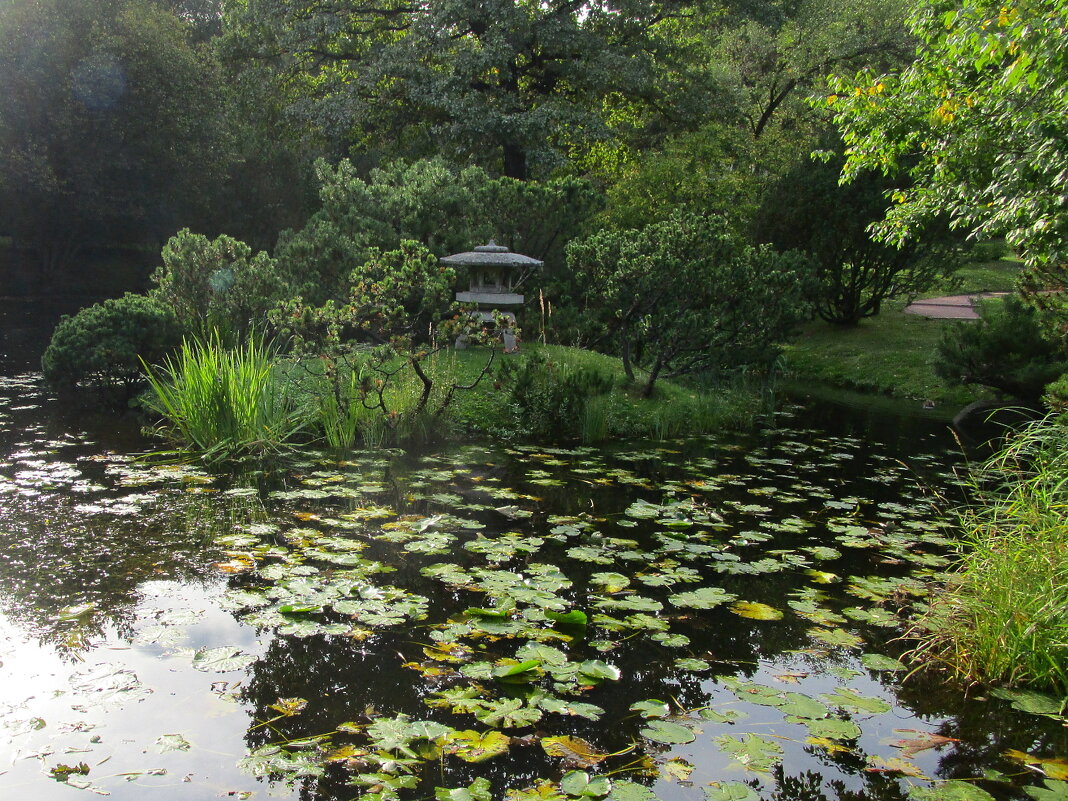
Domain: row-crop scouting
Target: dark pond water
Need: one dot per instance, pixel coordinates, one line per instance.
(697, 619)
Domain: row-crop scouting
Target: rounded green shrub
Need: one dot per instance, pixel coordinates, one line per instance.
(101, 343)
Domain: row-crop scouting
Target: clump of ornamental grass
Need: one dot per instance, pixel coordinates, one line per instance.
(225, 402)
(1003, 617)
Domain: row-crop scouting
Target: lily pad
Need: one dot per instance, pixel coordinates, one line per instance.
(668, 732)
(221, 660)
(756, 611)
(954, 790)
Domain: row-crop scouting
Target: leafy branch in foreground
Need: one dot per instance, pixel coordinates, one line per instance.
(979, 123)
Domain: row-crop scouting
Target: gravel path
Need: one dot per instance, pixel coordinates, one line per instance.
(950, 307)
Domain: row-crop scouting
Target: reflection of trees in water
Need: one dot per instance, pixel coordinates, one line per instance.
(986, 727)
(810, 786)
(67, 576)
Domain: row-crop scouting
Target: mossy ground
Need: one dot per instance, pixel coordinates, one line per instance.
(893, 353)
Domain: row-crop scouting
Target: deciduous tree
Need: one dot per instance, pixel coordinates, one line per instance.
(106, 124)
(979, 123)
(688, 295)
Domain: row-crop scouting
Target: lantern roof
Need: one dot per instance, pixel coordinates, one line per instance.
(491, 255)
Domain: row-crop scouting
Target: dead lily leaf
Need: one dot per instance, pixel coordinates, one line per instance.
(676, 769)
(1051, 767)
(910, 746)
(877, 764)
(573, 750)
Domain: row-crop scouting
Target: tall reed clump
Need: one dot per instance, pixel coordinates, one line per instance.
(1004, 615)
(225, 402)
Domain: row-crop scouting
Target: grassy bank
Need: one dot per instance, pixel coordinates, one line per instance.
(674, 410)
(1004, 615)
(227, 403)
(893, 353)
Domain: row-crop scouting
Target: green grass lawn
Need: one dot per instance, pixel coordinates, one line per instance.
(893, 353)
(987, 276)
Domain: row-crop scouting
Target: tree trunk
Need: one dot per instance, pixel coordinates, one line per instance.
(653, 374)
(624, 355)
(515, 161)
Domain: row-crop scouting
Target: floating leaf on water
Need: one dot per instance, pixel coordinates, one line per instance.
(731, 791)
(473, 746)
(610, 582)
(1032, 702)
(651, 708)
(289, 707)
(752, 751)
(508, 713)
(1050, 791)
(513, 672)
(595, 671)
(799, 705)
(879, 662)
(624, 790)
(575, 618)
(76, 612)
(833, 729)
(221, 660)
(579, 784)
(668, 732)
(838, 638)
(724, 716)
(676, 769)
(954, 790)
(643, 510)
(1051, 767)
(702, 598)
(573, 750)
(848, 699)
(822, 577)
(878, 764)
(755, 610)
(478, 790)
(692, 664)
(171, 742)
(562, 706)
(920, 741)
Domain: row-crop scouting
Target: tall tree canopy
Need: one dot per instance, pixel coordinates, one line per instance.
(504, 83)
(979, 122)
(106, 123)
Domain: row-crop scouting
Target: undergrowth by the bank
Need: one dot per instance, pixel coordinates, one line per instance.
(1004, 617)
(226, 402)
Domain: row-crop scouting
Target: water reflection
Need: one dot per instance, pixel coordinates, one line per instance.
(348, 583)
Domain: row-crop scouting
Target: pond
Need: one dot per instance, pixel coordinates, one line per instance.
(710, 618)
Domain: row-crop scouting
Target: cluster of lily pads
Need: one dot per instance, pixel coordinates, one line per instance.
(544, 602)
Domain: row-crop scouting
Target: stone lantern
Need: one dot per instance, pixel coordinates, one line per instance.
(494, 272)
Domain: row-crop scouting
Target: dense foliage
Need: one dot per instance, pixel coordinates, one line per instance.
(979, 121)
(1006, 350)
(217, 285)
(810, 211)
(444, 209)
(109, 129)
(106, 342)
